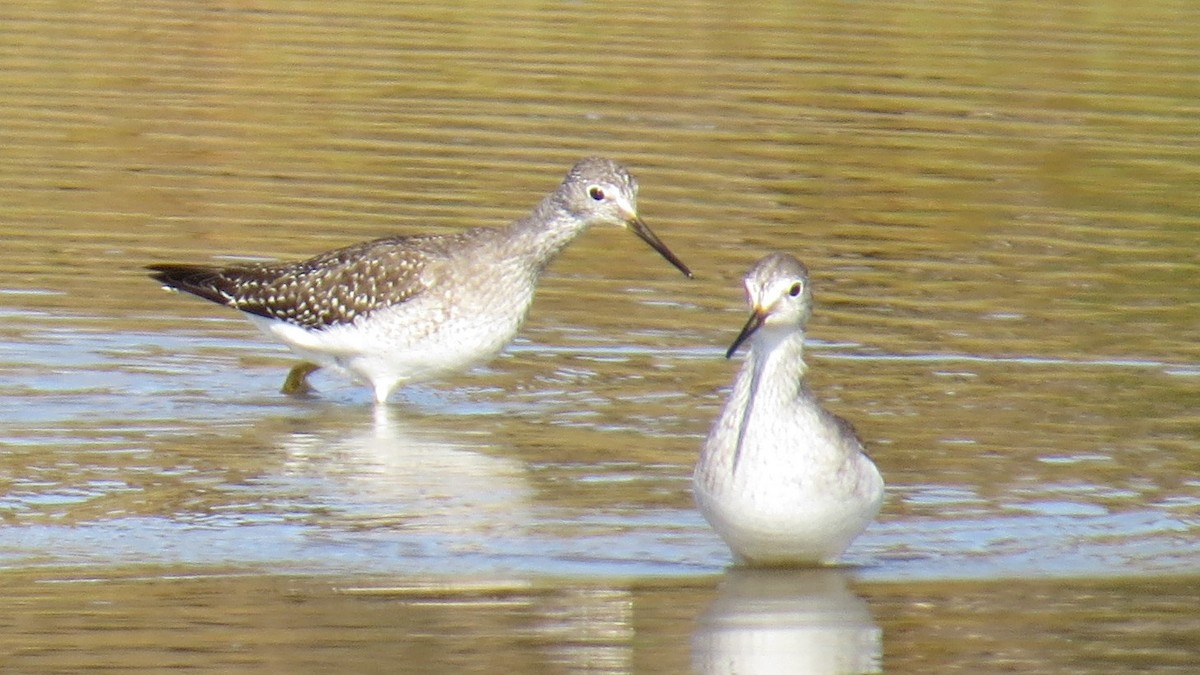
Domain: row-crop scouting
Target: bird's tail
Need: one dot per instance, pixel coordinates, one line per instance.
(200, 280)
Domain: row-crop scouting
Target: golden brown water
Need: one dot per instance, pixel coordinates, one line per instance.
(998, 203)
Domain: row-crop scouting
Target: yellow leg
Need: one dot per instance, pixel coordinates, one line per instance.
(296, 383)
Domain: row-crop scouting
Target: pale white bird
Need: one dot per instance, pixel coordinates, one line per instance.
(781, 479)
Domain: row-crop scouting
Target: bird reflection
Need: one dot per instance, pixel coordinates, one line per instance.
(445, 493)
(391, 474)
(786, 621)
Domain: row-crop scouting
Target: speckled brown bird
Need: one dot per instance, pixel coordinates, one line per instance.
(405, 309)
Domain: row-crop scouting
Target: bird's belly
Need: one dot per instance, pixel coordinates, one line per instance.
(406, 343)
(778, 514)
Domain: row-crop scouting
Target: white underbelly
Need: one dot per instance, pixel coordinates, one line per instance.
(411, 342)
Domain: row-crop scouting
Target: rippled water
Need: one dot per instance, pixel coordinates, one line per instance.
(997, 202)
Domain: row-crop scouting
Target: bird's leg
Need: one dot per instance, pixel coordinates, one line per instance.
(296, 383)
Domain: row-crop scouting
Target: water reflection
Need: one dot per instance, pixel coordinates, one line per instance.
(444, 495)
(588, 629)
(787, 621)
(393, 473)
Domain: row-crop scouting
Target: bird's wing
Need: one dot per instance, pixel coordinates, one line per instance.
(330, 289)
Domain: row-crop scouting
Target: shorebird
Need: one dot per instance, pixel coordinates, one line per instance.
(405, 309)
(782, 480)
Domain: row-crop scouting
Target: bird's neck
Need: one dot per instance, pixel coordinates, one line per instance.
(770, 380)
(539, 237)
(775, 366)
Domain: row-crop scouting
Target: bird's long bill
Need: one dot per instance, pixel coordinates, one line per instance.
(752, 324)
(639, 228)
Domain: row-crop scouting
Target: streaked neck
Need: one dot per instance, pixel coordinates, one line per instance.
(539, 237)
(770, 379)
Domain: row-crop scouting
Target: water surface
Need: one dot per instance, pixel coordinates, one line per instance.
(997, 203)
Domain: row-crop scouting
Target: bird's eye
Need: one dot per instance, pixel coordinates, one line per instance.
(795, 289)
(596, 193)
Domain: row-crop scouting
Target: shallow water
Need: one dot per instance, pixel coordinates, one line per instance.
(997, 204)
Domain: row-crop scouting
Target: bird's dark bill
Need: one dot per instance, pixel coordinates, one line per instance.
(752, 324)
(639, 228)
